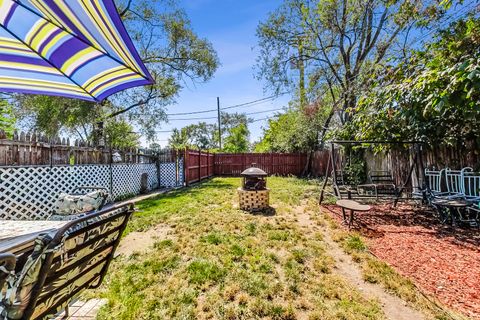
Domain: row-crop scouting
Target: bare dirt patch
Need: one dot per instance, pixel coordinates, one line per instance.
(443, 261)
(141, 242)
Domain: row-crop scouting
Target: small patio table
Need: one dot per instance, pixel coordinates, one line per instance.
(447, 208)
(17, 237)
(352, 206)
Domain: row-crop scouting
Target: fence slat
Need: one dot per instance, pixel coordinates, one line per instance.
(230, 164)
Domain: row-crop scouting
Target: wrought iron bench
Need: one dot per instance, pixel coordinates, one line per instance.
(77, 257)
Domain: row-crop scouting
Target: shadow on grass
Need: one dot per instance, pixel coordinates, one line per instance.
(269, 212)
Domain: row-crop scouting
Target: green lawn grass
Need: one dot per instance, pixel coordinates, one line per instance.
(222, 263)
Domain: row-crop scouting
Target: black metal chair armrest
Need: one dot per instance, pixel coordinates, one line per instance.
(7, 265)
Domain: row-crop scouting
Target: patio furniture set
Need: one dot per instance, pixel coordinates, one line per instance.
(454, 194)
(44, 265)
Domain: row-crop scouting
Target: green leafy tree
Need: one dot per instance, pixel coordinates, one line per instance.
(288, 132)
(173, 53)
(7, 119)
(179, 139)
(119, 133)
(201, 136)
(434, 96)
(337, 46)
(238, 139)
(232, 120)
(205, 136)
(54, 116)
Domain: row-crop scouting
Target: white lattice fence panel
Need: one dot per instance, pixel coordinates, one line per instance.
(126, 178)
(31, 192)
(171, 175)
(168, 174)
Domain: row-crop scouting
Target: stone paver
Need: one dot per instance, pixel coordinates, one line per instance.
(82, 310)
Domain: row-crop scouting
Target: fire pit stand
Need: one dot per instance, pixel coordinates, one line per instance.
(254, 194)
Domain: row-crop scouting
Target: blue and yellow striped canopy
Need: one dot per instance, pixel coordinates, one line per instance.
(69, 48)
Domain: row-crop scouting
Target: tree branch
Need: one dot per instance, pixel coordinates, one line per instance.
(126, 9)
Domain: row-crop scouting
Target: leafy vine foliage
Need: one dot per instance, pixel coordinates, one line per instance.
(434, 96)
(7, 119)
(337, 46)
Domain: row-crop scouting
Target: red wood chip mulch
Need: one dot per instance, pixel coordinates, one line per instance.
(443, 261)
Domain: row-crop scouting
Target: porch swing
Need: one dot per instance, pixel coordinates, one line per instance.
(381, 184)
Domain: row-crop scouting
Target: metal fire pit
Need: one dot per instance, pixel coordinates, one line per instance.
(254, 194)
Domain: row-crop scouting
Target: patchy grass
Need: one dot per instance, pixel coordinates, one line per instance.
(222, 263)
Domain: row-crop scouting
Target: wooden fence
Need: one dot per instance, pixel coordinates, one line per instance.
(26, 149)
(319, 163)
(232, 164)
(201, 165)
(198, 166)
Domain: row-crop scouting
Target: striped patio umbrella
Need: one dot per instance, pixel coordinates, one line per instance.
(69, 48)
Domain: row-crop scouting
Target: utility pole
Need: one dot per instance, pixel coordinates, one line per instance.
(301, 67)
(219, 125)
(299, 63)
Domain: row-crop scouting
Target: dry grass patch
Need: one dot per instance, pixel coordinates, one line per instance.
(223, 263)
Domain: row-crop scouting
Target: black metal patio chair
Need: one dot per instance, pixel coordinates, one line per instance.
(77, 257)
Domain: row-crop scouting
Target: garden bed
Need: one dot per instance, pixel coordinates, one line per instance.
(443, 261)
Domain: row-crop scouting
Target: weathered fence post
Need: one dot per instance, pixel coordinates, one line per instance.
(272, 168)
(208, 163)
(199, 165)
(185, 167)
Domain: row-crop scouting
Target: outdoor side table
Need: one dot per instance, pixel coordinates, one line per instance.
(352, 206)
(450, 209)
(18, 237)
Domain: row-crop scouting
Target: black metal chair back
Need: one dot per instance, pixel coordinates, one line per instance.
(77, 258)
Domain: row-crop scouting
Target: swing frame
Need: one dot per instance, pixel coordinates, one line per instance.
(332, 161)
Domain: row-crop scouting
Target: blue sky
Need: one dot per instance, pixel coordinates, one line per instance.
(230, 26)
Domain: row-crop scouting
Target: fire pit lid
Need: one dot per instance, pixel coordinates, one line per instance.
(254, 172)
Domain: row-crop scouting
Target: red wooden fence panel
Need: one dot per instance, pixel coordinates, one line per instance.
(232, 164)
(198, 166)
(202, 165)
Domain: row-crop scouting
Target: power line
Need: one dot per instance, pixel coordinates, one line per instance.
(265, 111)
(187, 119)
(267, 118)
(211, 118)
(447, 18)
(250, 103)
(255, 101)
